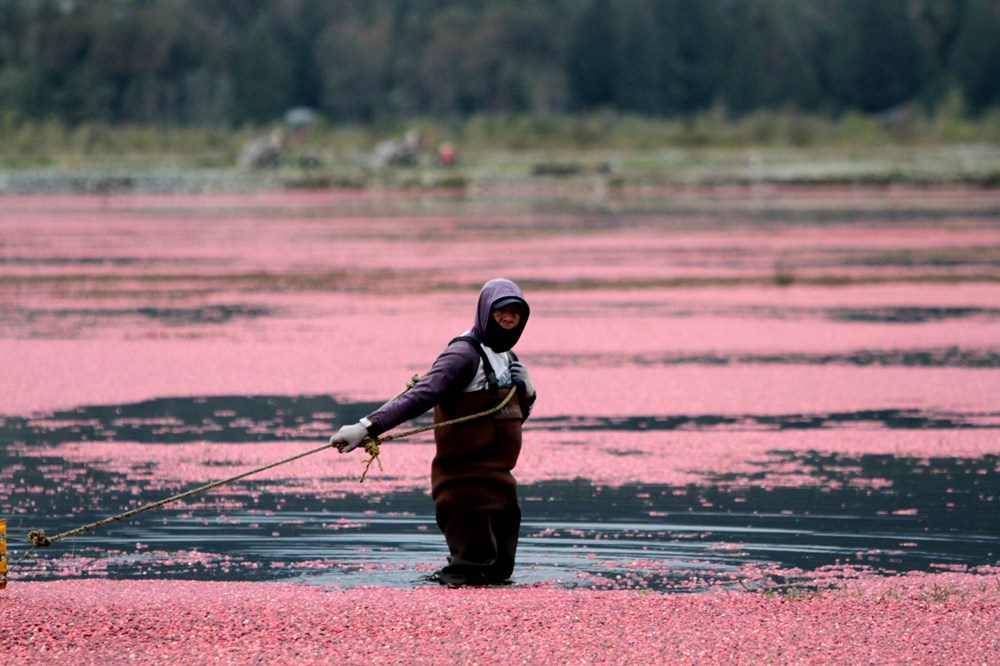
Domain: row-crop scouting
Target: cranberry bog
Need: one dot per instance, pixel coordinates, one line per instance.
(767, 424)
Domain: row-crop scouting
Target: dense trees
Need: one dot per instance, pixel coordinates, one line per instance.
(975, 58)
(226, 62)
(875, 62)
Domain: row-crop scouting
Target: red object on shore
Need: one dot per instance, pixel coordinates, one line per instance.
(446, 154)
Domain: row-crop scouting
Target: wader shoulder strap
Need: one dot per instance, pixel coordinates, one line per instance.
(491, 377)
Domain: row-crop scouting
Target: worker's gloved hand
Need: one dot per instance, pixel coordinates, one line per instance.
(521, 378)
(349, 437)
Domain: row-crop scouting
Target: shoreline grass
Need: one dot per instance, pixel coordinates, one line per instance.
(598, 150)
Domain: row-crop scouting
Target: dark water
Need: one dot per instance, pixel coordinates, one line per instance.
(889, 513)
(48, 322)
(940, 357)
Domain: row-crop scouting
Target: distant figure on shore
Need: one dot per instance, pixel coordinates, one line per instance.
(446, 154)
(403, 151)
(265, 153)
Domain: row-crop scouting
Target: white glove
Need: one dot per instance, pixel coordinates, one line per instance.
(519, 375)
(349, 437)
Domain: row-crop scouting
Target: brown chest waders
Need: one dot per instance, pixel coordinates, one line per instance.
(475, 494)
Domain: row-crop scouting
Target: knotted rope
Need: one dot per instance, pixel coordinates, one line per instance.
(371, 446)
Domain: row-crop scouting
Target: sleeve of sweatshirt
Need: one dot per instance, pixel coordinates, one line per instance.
(527, 403)
(451, 372)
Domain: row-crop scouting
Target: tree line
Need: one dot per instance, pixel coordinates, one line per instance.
(232, 62)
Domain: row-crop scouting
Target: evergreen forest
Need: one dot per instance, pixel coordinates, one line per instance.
(228, 63)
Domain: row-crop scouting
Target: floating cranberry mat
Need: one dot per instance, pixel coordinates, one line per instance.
(767, 425)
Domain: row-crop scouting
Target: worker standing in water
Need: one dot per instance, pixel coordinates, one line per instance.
(474, 492)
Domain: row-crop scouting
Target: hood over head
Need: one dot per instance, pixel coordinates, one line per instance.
(497, 293)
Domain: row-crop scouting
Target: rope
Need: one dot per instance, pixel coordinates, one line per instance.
(372, 445)
(38, 538)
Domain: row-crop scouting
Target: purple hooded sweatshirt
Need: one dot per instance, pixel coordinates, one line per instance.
(457, 367)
